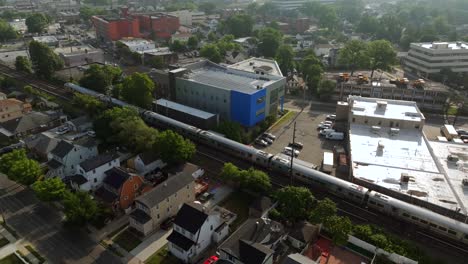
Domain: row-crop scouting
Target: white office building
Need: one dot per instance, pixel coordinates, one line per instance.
(430, 58)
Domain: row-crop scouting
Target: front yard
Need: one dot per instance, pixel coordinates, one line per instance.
(127, 240)
(4, 242)
(11, 259)
(162, 256)
(238, 202)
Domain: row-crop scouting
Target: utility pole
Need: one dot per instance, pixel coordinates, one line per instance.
(292, 153)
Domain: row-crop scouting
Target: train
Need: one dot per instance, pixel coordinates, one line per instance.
(302, 171)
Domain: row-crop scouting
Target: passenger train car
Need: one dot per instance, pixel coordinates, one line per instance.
(425, 218)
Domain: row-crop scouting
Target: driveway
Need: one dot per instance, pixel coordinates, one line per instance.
(41, 225)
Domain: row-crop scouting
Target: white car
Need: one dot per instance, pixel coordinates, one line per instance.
(62, 130)
(91, 133)
(331, 117)
(267, 140)
(324, 126)
(269, 135)
(261, 143)
(327, 131)
(289, 150)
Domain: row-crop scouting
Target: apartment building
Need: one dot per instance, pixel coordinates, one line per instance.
(12, 109)
(80, 55)
(138, 45)
(431, 58)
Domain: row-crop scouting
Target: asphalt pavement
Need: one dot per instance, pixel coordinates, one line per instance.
(41, 225)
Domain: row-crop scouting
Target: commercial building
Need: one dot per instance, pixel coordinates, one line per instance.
(188, 18)
(243, 96)
(48, 40)
(431, 58)
(137, 44)
(390, 154)
(80, 55)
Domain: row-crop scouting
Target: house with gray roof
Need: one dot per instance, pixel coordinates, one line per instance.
(163, 201)
(31, 123)
(64, 158)
(93, 171)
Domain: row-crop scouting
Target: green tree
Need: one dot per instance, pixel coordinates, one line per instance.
(211, 52)
(25, 171)
(7, 160)
(382, 55)
(255, 180)
(100, 78)
(231, 130)
(102, 125)
(212, 36)
(156, 62)
(44, 61)
(134, 134)
(89, 103)
(138, 89)
(354, 55)
(192, 42)
(207, 7)
(173, 147)
(230, 172)
(312, 71)
(6, 31)
(368, 24)
(322, 210)
(48, 190)
(239, 25)
(325, 89)
(328, 18)
(339, 228)
(79, 208)
(37, 22)
(294, 203)
(23, 64)
(178, 46)
(390, 28)
(379, 240)
(285, 58)
(269, 42)
(350, 10)
(87, 12)
(363, 232)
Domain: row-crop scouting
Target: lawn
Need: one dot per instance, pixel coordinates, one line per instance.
(288, 116)
(162, 256)
(127, 240)
(4, 242)
(11, 259)
(39, 257)
(238, 202)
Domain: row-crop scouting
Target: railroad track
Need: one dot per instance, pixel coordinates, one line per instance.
(44, 86)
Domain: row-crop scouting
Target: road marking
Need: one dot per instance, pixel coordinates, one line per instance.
(443, 242)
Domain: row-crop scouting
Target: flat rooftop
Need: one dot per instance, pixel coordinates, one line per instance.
(46, 39)
(75, 50)
(185, 109)
(406, 153)
(228, 79)
(258, 64)
(394, 109)
(454, 172)
(135, 41)
(459, 45)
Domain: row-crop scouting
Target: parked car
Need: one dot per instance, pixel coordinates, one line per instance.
(331, 117)
(463, 137)
(327, 122)
(462, 132)
(326, 131)
(324, 126)
(296, 145)
(335, 136)
(267, 140)
(269, 135)
(91, 133)
(211, 260)
(261, 142)
(205, 196)
(166, 224)
(289, 150)
(62, 130)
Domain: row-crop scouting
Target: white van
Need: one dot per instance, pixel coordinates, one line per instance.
(289, 150)
(327, 131)
(335, 136)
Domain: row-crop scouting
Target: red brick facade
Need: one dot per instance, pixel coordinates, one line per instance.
(131, 189)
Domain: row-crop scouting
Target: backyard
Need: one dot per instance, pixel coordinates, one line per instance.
(4, 242)
(127, 240)
(162, 256)
(11, 259)
(238, 202)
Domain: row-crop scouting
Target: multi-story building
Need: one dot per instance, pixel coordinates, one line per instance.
(138, 45)
(164, 200)
(115, 28)
(295, 4)
(91, 172)
(431, 58)
(245, 96)
(195, 228)
(80, 55)
(12, 109)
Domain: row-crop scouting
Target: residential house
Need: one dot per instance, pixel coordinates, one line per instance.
(120, 188)
(164, 200)
(145, 163)
(182, 37)
(80, 124)
(302, 234)
(40, 145)
(92, 171)
(67, 155)
(31, 123)
(254, 242)
(12, 109)
(294, 84)
(194, 230)
(322, 49)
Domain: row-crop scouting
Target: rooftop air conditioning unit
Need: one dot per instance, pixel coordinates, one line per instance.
(381, 145)
(465, 182)
(381, 105)
(375, 128)
(404, 177)
(452, 158)
(394, 131)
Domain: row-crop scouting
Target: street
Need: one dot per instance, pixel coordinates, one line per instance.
(41, 226)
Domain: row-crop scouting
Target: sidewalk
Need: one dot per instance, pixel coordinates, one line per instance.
(99, 235)
(149, 246)
(14, 246)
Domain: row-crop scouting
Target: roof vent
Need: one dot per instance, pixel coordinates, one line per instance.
(165, 184)
(394, 131)
(375, 128)
(404, 177)
(382, 105)
(465, 182)
(251, 63)
(381, 145)
(452, 158)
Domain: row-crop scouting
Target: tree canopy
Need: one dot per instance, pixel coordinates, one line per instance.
(294, 203)
(326, 88)
(251, 179)
(25, 171)
(173, 148)
(102, 125)
(269, 41)
(322, 210)
(239, 25)
(48, 190)
(90, 104)
(231, 130)
(79, 208)
(207, 7)
(100, 78)
(211, 52)
(178, 46)
(339, 227)
(381, 54)
(312, 71)
(192, 42)
(37, 22)
(285, 58)
(354, 55)
(138, 89)
(7, 160)
(44, 61)
(23, 64)
(6, 31)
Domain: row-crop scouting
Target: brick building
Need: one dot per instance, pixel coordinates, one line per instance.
(112, 29)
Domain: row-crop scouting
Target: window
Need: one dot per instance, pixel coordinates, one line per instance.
(109, 163)
(366, 121)
(432, 225)
(72, 167)
(423, 222)
(95, 180)
(81, 157)
(415, 218)
(211, 227)
(354, 119)
(452, 232)
(443, 228)
(168, 209)
(187, 187)
(158, 216)
(379, 123)
(405, 215)
(397, 124)
(135, 186)
(416, 126)
(259, 112)
(167, 199)
(125, 197)
(175, 195)
(94, 171)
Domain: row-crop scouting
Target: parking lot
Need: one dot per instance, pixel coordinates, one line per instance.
(306, 133)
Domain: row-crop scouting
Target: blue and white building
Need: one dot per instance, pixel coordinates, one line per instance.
(244, 95)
